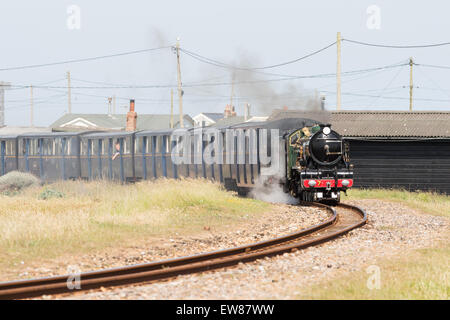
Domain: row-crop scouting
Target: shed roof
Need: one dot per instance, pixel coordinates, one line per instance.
(392, 124)
(318, 115)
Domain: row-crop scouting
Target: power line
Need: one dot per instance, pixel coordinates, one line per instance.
(81, 60)
(397, 46)
(392, 98)
(143, 86)
(432, 66)
(224, 65)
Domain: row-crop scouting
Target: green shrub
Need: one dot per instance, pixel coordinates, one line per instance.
(15, 181)
(50, 193)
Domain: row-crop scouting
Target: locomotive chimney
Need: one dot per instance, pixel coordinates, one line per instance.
(131, 118)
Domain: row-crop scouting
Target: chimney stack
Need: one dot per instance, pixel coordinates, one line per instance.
(131, 118)
(229, 111)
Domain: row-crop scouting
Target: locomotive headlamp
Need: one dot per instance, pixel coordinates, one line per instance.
(326, 130)
(345, 183)
(312, 183)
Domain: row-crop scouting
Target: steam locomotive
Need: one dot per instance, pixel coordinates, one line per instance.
(318, 164)
(308, 160)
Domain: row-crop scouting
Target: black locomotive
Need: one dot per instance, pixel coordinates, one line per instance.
(309, 160)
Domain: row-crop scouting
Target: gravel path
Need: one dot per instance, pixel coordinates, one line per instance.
(283, 220)
(392, 229)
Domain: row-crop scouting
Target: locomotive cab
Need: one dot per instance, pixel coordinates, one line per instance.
(318, 167)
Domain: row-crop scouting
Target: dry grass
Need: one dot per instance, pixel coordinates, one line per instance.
(428, 202)
(422, 274)
(92, 215)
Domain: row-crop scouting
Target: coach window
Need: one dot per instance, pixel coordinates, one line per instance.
(10, 148)
(34, 146)
(125, 146)
(105, 146)
(166, 138)
(69, 145)
(23, 144)
(158, 144)
(94, 147)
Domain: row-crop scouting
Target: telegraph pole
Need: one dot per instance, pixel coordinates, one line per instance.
(411, 63)
(114, 104)
(69, 98)
(171, 108)
(338, 73)
(180, 91)
(31, 106)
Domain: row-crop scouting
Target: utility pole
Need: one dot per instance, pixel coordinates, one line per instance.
(69, 98)
(338, 73)
(171, 108)
(114, 104)
(411, 63)
(180, 91)
(31, 106)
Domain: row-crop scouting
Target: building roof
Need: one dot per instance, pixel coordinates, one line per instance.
(214, 116)
(319, 115)
(74, 121)
(225, 122)
(392, 124)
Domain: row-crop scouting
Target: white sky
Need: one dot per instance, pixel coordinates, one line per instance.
(252, 32)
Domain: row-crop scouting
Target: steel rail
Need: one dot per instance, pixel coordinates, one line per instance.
(329, 229)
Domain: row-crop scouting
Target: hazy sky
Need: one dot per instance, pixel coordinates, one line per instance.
(246, 33)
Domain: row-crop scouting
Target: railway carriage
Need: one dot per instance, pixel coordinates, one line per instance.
(8, 154)
(50, 156)
(153, 155)
(261, 165)
(107, 155)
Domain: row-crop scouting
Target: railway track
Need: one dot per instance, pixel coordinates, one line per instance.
(343, 219)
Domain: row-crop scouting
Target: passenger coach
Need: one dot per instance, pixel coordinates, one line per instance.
(50, 156)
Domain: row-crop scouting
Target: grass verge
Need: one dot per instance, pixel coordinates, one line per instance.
(422, 274)
(428, 202)
(92, 215)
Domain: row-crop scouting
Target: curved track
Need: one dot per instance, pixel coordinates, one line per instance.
(346, 218)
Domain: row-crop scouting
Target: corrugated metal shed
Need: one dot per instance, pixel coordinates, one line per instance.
(392, 124)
